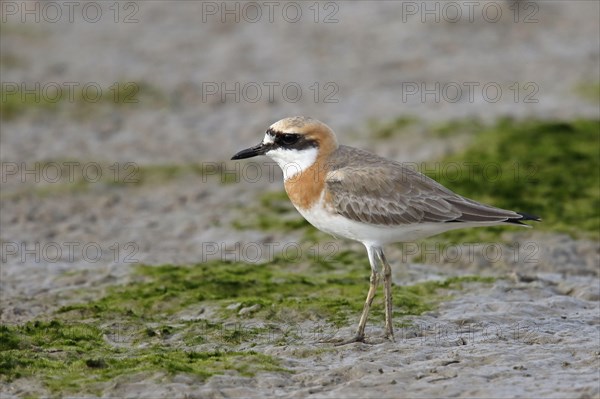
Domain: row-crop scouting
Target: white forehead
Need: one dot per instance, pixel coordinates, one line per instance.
(269, 139)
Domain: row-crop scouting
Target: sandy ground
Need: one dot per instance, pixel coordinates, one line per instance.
(533, 333)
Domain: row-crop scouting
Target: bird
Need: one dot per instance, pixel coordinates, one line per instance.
(358, 195)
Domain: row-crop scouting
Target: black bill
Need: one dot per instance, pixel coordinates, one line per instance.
(259, 149)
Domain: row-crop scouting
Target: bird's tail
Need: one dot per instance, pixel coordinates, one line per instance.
(524, 217)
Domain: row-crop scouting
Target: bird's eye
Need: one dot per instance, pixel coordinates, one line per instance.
(289, 139)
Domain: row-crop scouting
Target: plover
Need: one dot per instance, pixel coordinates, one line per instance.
(352, 193)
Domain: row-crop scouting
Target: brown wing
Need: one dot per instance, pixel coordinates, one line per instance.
(371, 189)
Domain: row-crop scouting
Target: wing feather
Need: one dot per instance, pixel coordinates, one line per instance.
(370, 189)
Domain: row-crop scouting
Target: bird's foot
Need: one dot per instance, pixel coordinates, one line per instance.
(389, 331)
(359, 339)
(353, 340)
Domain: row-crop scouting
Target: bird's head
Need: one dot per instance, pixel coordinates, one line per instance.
(294, 143)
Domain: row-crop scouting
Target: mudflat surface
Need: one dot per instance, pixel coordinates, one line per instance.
(534, 332)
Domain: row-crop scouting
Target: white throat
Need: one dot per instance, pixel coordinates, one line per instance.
(293, 162)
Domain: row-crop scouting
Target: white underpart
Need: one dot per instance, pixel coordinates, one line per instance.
(372, 235)
(293, 162)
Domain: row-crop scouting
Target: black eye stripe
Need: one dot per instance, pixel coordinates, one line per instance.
(290, 141)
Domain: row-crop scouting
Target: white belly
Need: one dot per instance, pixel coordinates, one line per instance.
(370, 234)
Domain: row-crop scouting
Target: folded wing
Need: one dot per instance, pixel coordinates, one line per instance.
(381, 192)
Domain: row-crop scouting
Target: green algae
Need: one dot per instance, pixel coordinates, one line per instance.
(75, 358)
(81, 102)
(386, 130)
(589, 91)
(140, 326)
(546, 168)
(273, 212)
(329, 290)
(65, 177)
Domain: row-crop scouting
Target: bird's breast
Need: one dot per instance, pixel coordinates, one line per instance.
(305, 188)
